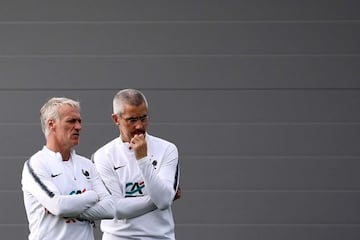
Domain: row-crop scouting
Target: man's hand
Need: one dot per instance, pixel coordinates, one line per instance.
(139, 146)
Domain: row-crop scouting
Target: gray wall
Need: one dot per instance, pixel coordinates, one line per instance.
(260, 96)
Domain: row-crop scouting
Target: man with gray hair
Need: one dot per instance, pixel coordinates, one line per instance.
(141, 171)
(63, 193)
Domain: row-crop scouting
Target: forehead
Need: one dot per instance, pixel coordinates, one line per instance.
(131, 110)
(68, 111)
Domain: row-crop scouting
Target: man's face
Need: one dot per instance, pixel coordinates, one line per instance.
(133, 121)
(67, 128)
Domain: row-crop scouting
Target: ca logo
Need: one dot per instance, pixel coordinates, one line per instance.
(134, 187)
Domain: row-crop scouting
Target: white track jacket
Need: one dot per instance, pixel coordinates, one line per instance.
(143, 190)
(63, 198)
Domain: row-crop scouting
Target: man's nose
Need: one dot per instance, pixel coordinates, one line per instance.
(78, 125)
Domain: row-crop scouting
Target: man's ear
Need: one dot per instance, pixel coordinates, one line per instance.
(115, 118)
(51, 123)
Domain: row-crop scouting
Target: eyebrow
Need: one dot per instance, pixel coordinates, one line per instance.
(73, 119)
(137, 117)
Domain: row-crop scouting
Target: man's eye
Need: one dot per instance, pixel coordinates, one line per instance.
(132, 120)
(74, 120)
(143, 118)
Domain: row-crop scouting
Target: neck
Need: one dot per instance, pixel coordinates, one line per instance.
(65, 153)
(65, 156)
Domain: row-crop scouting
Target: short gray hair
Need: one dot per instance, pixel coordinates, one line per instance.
(50, 110)
(129, 96)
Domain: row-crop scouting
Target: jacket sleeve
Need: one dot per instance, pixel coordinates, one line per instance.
(133, 207)
(37, 182)
(104, 208)
(162, 184)
(124, 207)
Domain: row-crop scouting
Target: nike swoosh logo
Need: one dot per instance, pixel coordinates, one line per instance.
(55, 175)
(116, 168)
